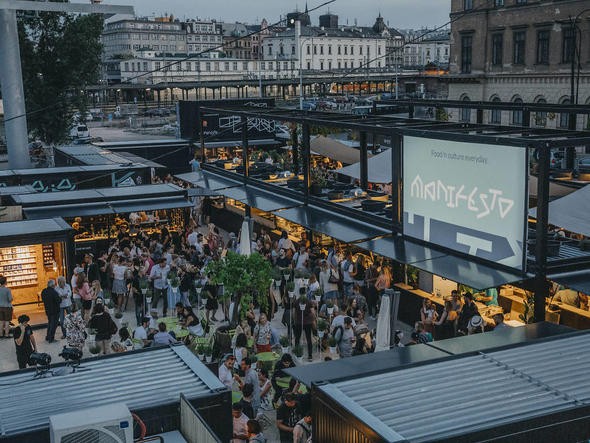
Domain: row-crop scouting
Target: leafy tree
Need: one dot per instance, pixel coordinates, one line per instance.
(61, 55)
(244, 276)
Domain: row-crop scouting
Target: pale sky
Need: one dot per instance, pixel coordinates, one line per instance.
(402, 14)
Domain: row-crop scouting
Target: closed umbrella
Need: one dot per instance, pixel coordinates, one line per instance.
(245, 248)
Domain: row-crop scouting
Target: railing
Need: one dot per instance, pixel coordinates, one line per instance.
(192, 426)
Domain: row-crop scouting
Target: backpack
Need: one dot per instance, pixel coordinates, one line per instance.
(341, 328)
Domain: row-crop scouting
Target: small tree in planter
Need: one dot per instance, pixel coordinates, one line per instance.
(208, 353)
(143, 285)
(298, 352)
(322, 327)
(118, 315)
(286, 273)
(291, 289)
(284, 342)
(244, 277)
(330, 307)
(94, 349)
(276, 275)
(201, 352)
(412, 275)
(332, 344)
(91, 335)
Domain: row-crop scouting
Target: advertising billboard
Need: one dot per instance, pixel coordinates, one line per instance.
(467, 197)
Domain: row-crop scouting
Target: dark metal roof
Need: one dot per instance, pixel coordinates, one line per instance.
(140, 379)
(400, 250)
(98, 195)
(364, 364)
(213, 182)
(37, 227)
(329, 223)
(258, 198)
(93, 155)
(499, 339)
(109, 207)
(578, 280)
(476, 133)
(462, 270)
(15, 190)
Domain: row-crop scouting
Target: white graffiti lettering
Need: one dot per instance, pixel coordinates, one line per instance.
(483, 204)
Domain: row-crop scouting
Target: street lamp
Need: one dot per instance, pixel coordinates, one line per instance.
(301, 70)
(573, 93)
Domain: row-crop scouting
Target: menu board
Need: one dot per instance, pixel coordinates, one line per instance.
(19, 265)
(48, 255)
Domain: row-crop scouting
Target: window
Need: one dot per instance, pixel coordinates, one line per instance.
(519, 47)
(496, 114)
(466, 52)
(497, 49)
(517, 115)
(308, 66)
(292, 49)
(329, 49)
(543, 47)
(315, 49)
(467, 4)
(308, 49)
(498, 3)
(466, 112)
(521, 2)
(568, 45)
(321, 66)
(564, 117)
(541, 116)
(270, 49)
(345, 50)
(339, 50)
(226, 66)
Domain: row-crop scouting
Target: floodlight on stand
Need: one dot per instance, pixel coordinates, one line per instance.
(41, 361)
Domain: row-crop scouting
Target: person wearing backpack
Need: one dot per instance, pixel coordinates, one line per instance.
(302, 430)
(344, 336)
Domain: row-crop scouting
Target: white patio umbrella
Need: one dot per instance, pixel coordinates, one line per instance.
(245, 248)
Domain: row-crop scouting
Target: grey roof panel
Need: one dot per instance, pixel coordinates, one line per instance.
(158, 377)
(497, 389)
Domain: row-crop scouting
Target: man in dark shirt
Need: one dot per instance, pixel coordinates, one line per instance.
(288, 415)
(91, 268)
(468, 310)
(51, 301)
(24, 341)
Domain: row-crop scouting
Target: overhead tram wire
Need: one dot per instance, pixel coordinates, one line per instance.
(190, 57)
(346, 74)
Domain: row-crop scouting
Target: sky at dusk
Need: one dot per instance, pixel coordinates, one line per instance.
(402, 14)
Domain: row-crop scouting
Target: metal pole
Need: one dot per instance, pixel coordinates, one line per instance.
(541, 286)
(15, 121)
(396, 75)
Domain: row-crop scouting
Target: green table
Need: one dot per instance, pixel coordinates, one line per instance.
(236, 396)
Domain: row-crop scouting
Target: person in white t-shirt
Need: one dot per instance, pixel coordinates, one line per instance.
(141, 332)
(192, 238)
(301, 258)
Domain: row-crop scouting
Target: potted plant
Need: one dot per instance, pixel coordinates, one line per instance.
(201, 351)
(412, 275)
(174, 283)
(332, 344)
(91, 335)
(319, 180)
(286, 273)
(302, 303)
(291, 289)
(322, 326)
(317, 296)
(143, 285)
(303, 276)
(118, 315)
(276, 276)
(94, 349)
(110, 306)
(298, 352)
(330, 307)
(208, 354)
(528, 315)
(284, 342)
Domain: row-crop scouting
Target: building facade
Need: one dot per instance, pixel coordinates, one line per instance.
(327, 49)
(433, 50)
(128, 38)
(520, 51)
(202, 35)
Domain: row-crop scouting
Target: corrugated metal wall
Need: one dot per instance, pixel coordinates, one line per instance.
(332, 424)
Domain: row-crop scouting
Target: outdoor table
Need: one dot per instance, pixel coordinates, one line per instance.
(236, 396)
(173, 326)
(267, 359)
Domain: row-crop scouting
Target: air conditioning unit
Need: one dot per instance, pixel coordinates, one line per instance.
(103, 424)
